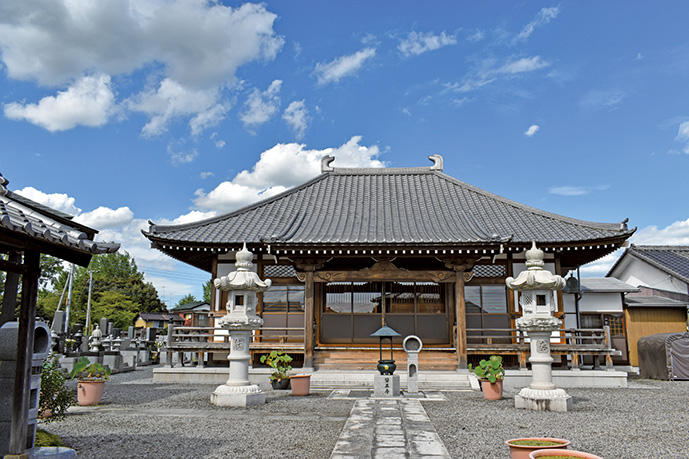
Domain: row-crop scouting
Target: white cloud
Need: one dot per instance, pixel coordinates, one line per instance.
(208, 118)
(542, 18)
(87, 102)
(297, 117)
(526, 64)
(675, 234)
(683, 135)
(279, 168)
(533, 129)
(334, 71)
(198, 43)
(261, 106)
(603, 99)
(182, 157)
(602, 266)
(104, 217)
(194, 44)
(205, 175)
(476, 36)
(576, 190)
(172, 100)
(418, 43)
(57, 201)
(488, 71)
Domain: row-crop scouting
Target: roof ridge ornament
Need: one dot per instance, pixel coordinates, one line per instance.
(437, 162)
(325, 163)
(3, 186)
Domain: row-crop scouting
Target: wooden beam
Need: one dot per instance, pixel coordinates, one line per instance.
(25, 338)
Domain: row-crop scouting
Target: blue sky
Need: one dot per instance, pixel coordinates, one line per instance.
(174, 110)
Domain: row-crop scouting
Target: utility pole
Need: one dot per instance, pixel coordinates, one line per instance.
(69, 299)
(88, 307)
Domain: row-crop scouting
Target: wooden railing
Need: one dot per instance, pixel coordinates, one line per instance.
(483, 341)
(200, 340)
(572, 341)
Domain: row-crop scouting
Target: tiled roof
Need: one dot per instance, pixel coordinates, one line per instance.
(673, 259)
(605, 285)
(387, 206)
(192, 305)
(23, 218)
(653, 301)
(148, 316)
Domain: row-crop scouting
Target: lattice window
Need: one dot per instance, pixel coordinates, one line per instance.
(489, 271)
(270, 271)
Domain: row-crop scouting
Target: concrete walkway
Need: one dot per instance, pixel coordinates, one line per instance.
(396, 428)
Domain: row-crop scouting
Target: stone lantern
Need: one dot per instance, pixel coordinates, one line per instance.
(241, 319)
(538, 304)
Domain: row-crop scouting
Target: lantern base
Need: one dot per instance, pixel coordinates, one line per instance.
(238, 396)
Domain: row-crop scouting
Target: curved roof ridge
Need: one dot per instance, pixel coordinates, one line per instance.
(381, 170)
(622, 226)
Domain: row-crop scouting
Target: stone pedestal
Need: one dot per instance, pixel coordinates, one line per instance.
(386, 386)
(238, 396)
(542, 395)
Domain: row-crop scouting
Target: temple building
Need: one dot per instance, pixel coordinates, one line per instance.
(413, 248)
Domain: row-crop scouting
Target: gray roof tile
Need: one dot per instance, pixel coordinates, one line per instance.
(387, 206)
(25, 218)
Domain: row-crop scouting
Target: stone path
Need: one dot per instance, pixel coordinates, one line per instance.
(380, 429)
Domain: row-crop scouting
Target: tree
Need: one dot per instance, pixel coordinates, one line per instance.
(208, 291)
(186, 299)
(113, 273)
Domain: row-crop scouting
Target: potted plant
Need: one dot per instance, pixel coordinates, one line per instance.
(55, 397)
(491, 374)
(520, 448)
(561, 454)
(301, 384)
(280, 363)
(91, 379)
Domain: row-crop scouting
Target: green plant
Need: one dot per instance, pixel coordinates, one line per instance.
(44, 439)
(55, 397)
(84, 370)
(279, 362)
(490, 369)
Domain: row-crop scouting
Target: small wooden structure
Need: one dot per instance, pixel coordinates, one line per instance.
(413, 248)
(27, 230)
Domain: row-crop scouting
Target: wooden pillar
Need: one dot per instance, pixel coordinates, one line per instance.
(25, 338)
(309, 305)
(460, 314)
(9, 299)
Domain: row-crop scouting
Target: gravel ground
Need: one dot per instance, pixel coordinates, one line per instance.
(142, 419)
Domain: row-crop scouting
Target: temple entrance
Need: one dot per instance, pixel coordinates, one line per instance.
(354, 310)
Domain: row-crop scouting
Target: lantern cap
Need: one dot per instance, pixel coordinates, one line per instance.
(385, 332)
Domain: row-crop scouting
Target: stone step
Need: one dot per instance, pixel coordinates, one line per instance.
(437, 380)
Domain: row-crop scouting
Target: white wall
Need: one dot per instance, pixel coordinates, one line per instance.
(639, 273)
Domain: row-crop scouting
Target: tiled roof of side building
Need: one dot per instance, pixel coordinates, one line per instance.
(387, 206)
(673, 259)
(55, 230)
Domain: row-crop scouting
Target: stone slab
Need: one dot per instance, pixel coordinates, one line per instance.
(386, 386)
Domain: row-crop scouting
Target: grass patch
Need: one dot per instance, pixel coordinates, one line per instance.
(44, 438)
(535, 443)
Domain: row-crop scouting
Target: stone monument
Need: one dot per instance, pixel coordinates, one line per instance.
(95, 340)
(241, 319)
(537, 302)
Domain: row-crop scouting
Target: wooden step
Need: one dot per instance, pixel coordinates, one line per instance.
(368, 359)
